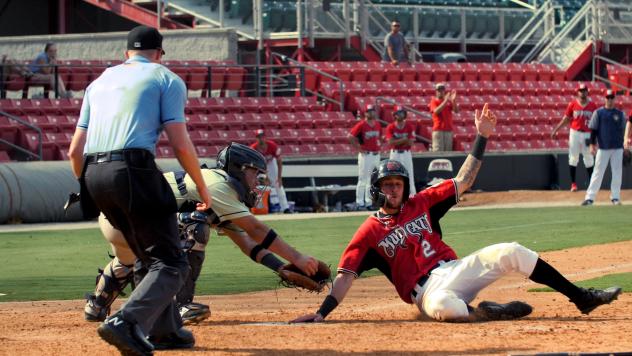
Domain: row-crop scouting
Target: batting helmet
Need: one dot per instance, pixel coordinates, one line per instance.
(399, 111)
(233, 159)
(387, 168)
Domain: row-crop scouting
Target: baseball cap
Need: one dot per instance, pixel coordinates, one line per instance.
(610, 93)
(370, 107)
(144, 37)
(399, 111)
(259, 132)
(582, 86)
(439, 86)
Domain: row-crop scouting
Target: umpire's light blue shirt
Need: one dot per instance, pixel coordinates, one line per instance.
(610, 126)
(129, 104)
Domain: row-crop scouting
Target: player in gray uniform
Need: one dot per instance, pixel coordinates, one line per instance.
(232, 187)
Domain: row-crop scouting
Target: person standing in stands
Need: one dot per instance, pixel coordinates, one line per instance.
(112, 154)
(42, 71)
(271, 151)
(365, 138)
(578, 113)
(607, 125)
(395, 46)
(400, 136)
(441, 107)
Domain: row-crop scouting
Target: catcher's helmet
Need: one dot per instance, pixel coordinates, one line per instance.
(387, 168)
(233, 159)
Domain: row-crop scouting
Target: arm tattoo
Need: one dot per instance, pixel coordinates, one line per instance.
(468, 172)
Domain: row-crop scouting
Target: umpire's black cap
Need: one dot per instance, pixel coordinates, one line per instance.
(144, 37)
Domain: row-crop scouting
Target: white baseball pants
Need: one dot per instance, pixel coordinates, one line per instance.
(576, 145)
(454, 284)
(277, 193)
(615, 157)
(366, 163)
(406, 158)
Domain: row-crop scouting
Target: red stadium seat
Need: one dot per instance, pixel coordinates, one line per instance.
(8, 129)
(408, 73)
(424, 71)
(470, 72)
(500, 73)
(455, 71)
(486, 72)
(234, 78)
(359, 71)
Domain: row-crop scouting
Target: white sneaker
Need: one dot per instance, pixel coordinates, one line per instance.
(616, 202)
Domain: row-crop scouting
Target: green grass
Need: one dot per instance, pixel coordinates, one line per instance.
(63, 264)
(623, 280)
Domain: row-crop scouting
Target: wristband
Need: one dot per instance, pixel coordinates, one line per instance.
(253, 253)
(329, 304)
(272, 262)
(478, 149)
(269, 239)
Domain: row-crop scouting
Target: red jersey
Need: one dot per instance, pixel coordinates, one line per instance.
(368, 136)
(392, 131)
(405, 246)
(443, 120)
(580, 115)
(272, 149)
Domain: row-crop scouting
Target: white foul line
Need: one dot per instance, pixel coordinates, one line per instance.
(508, 227)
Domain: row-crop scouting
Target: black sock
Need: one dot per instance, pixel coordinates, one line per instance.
(573, 173)
(544, 273)
(589, 170)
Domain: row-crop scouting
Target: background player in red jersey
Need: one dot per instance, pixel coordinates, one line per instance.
(400, 136)
(578, 113)
(271, 151)
(404, 241)
(365, 138)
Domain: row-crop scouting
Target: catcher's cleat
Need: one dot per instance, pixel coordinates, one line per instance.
(94, 312)
(616, 202)
(592, 298)
(194, 312)
(125, 336)
(587, 202)
(573, 187)
(181, 339)
(494, 311)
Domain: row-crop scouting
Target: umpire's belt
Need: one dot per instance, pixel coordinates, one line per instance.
(134, 154)
(400, 151)
(423, 279)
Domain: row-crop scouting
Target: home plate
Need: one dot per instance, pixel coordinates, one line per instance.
(285, 323)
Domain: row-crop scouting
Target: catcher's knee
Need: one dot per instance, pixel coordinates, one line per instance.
(445, 306)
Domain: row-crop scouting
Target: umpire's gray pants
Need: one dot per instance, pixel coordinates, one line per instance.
(151, 305)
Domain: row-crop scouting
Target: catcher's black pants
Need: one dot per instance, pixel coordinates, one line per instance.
(132, 193)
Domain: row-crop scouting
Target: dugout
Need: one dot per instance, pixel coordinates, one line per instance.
(35, 192)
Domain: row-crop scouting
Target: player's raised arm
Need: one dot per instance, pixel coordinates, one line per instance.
(339, 290)
(485, 122)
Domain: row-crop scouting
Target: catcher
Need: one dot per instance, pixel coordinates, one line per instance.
(233, 188)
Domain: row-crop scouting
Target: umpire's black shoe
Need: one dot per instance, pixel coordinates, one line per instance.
(181, 339)
(125, 336)
(592, 298)
(494, 311)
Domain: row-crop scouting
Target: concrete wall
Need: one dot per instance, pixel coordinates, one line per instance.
(199, 44)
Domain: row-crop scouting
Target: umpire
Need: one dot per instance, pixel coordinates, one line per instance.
(112, 153)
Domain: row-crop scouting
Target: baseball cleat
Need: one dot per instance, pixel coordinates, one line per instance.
(494, 311)
(573, 187)
(592, 298)
(587, 202)
(94, 312)
(192, 313)
(181, 339)
(616, 202)
(125, 336)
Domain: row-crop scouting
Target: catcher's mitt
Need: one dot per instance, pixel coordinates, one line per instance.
(627, 157)
(292, 276)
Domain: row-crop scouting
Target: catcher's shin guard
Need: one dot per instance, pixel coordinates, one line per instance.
(111, 282)
(185, 295)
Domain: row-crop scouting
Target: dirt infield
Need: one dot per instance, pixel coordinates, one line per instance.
(372, 319)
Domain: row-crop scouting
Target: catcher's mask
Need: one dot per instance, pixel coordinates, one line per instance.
(234, 160)
(387, 168)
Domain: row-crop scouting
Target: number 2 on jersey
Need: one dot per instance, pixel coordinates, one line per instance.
(427, 248)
